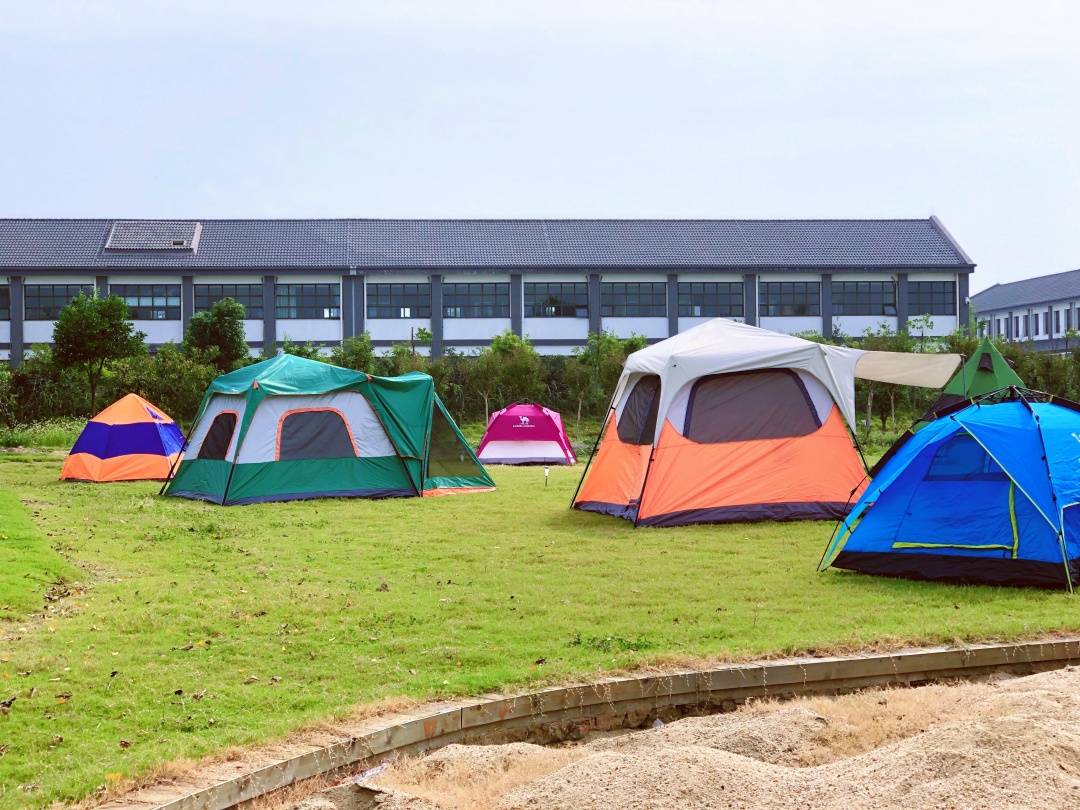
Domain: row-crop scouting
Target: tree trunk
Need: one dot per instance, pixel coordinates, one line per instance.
(869, 411)
(93, 387)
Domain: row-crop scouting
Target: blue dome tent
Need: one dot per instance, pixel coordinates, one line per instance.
(988, 492)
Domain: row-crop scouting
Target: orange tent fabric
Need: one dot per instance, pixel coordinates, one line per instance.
(131, 440)
(762, 445)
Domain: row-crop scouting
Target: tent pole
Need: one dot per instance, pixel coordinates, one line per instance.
(180, 455)
(839, 521)
(1053, 493)
(596, 444)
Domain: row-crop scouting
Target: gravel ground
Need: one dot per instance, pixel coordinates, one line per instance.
(1009, 743)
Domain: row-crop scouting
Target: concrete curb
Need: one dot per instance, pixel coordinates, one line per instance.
(567, 712)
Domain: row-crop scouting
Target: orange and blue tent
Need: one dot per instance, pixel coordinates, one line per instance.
(131, 440)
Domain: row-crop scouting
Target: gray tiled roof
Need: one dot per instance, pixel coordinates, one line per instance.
(451, 243)
(1040, 290)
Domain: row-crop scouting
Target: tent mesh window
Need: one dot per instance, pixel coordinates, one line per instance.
(748, 407)
(314, 434)
(447, 457)
(637, 423)
(962, 458)
(216, 443)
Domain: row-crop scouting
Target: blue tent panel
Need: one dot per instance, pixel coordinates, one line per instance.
(970, 498)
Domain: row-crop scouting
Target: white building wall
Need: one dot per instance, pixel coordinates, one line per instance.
(41, 331)
(856, 325)
(308, 330)
(555, 328)
(158, 332)
(304, 330)
(942, 324)
(689, 323)
(396, 329)
(782, 323)
(37, 332)
(625, 327)
(791, 324)
(474, 328)
(481, 329)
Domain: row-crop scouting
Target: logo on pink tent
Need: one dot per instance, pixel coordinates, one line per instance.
(523, 421)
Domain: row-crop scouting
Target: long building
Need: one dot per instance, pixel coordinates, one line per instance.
(1042, 310)
(464, 281)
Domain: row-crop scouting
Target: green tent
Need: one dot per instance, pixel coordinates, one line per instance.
(985, 371)
(290, 428)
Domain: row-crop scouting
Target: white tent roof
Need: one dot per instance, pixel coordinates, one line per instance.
(722, 346)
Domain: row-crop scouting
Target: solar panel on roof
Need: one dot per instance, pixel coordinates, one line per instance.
(157, 235)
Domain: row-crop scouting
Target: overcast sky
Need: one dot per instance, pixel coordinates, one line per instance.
(303, 108)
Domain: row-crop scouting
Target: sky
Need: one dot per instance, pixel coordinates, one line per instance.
(653, 108)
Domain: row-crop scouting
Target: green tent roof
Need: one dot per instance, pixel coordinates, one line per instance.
(985, 371)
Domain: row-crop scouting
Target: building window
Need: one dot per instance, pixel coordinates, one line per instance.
(710, 299)
(1068, 319)
(399, 300)
(1027, 326)
(932, 297)
(309, 301)
(486, 300)
(44, 301)
(1057, 321)
(1016, 327)
(250, 296)
(634, 299)
(557, 300)
(997, 327)
(5, 303)
(150, 302)
(864, 297)
(790, 298)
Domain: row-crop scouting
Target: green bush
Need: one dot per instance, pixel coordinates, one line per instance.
(172, 379)
(58, 433)
(42, 389)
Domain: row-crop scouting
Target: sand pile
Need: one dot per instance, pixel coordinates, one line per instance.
(1009, 743)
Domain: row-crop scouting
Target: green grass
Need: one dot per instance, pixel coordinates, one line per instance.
(58, 433)
(189, 603)
(29, 567)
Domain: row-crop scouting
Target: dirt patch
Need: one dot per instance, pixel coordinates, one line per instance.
(1009, 742)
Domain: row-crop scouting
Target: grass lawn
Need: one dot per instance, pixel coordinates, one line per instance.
(198, 627)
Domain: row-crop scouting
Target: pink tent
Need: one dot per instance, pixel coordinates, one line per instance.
(524, 433)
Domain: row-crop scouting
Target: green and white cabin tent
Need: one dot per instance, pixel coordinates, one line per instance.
(290, 428)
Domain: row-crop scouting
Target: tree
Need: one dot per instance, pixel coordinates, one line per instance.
(356, 352)
(173, 380)
(309, 351)
(92, 331)
(218, 333)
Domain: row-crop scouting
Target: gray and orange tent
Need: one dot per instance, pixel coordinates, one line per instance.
(727, 422)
